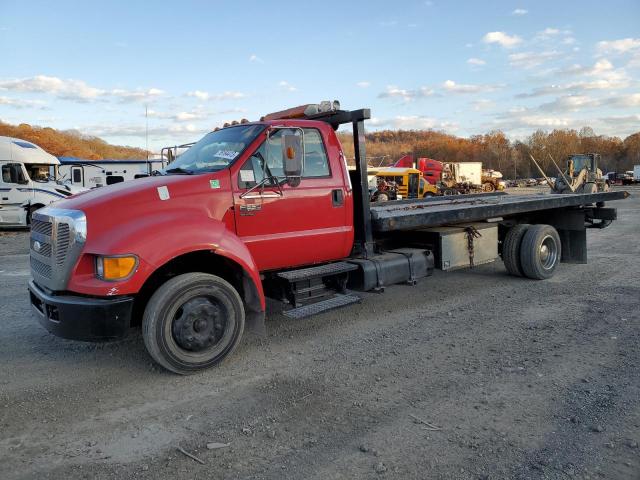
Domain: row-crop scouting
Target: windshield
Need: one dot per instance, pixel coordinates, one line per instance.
(581, 161)
(216, 150)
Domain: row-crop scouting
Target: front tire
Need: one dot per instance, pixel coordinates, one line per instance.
(193, 322)
(540, 252)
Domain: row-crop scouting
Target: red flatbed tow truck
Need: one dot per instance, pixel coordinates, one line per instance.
(269, 208)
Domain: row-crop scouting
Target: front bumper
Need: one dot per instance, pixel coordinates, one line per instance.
(81, 318)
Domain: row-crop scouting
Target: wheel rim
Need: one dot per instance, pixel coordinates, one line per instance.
(548, 252)
(199, 324)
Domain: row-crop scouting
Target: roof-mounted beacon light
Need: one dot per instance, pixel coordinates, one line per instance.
(304, 111)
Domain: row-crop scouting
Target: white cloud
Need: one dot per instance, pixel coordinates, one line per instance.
(393, 91)
(453, 87)
(287, 86)
(531, 59)
(519, 12)
(127, 96)
(503, 39)
(68, 89)
(482, 104)
(200, 95)
(363, 84)
(624, 45)
(140, 130)
(180, 116)
(20, 103)
(413, 122)
(631, 100)
(476, 61)
(569, 103)
(601, 76)
(204, 96)
(255, 59)
(76, 90)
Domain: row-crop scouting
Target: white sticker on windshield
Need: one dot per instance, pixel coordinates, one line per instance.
(226, 154)
(247, 176)
(163, 192)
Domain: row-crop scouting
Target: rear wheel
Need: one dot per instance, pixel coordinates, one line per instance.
(193, 322)
(511, 249)
(540, 252)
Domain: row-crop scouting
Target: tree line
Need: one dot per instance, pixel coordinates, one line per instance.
(496, 151)
(384, 147)
(70, 143)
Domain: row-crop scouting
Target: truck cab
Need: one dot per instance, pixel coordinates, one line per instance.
(27, 181)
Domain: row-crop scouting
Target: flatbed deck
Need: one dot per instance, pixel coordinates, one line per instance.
(437, 211)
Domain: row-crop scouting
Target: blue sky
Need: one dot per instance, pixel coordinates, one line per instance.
(462, 67)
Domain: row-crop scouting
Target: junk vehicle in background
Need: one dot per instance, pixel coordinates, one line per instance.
(28, 181)
(99, 173)
(454, 178)
(409, 183)
(581, 175)
(269, 209)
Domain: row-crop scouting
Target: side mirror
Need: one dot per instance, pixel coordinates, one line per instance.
(292, 154)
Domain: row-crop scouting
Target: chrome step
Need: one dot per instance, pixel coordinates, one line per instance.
(337, 301)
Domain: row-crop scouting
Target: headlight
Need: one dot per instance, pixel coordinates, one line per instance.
(117, 267)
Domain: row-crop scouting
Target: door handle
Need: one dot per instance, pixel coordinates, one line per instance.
(337, 197)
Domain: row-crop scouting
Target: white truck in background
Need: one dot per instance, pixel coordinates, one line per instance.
(99, 173)
(636, 174)
(27, 181)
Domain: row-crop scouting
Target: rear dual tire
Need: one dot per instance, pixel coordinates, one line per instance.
(532, 251)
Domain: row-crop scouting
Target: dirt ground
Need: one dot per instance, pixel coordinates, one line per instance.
(468, 375)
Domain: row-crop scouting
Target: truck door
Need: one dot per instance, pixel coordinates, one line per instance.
(13, 193)
(413, 185)
(284, 225)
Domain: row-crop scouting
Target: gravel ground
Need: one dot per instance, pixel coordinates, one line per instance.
(468, 375)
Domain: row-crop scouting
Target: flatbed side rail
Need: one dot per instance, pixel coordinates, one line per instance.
(457, 209)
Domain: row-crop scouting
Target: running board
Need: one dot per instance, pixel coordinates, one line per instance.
(337, 301)
(319, 271)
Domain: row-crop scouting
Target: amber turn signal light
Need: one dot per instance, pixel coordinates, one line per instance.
(116, 268)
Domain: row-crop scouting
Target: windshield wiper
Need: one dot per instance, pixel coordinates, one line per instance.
(179, 170)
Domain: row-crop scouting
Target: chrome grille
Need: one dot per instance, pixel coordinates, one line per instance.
(62, 243)
(41, 268)
(60, 235)
(45, 248)
(41, 227)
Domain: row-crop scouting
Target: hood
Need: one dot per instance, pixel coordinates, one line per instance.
(204, 195)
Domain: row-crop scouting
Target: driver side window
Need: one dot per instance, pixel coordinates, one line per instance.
(266, 161)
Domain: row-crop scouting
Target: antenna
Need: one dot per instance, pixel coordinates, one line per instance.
(146, 119)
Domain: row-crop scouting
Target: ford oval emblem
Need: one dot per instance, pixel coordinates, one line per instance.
(37, 246)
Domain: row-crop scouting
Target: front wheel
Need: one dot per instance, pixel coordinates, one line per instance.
(488, 187)
(193, 322)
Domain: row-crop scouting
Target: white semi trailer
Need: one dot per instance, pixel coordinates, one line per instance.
(27, 181)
